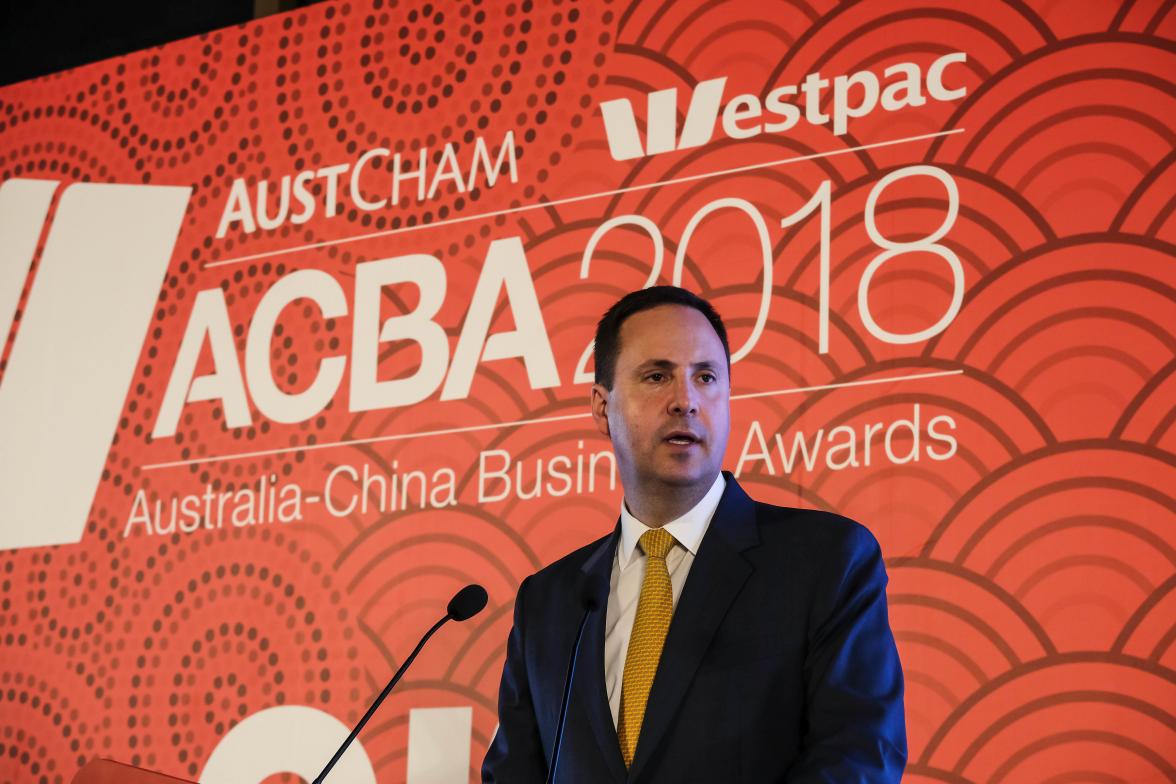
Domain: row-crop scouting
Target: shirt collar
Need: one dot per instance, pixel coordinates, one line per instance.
(688, 529)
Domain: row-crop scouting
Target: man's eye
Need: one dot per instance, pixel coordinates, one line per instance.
(708, 378)
(655, 376)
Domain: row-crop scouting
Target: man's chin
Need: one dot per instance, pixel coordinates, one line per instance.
(686, 479)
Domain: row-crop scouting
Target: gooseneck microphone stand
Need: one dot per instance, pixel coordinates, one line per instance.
(593, 595)
(468, 602)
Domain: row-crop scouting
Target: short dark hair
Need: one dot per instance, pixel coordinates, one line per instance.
(608, 331)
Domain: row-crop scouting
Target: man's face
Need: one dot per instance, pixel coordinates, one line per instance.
(668, 411)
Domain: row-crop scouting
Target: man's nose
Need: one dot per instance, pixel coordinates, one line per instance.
(684, 400)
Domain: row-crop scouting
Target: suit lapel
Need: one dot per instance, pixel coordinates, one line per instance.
(590, 680)
(716, 577)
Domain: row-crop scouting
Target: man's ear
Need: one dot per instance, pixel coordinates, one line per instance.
(599, 403)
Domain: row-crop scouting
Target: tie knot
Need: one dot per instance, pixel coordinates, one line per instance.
(656, 543)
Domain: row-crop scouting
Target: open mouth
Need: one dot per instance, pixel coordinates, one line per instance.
(682, 439)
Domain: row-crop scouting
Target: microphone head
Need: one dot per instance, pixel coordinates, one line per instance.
(594, 592)
(467, 603)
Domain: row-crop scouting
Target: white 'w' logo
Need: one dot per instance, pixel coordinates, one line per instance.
(620, 124)
(78, 341)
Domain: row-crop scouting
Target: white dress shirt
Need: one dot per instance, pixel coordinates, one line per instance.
(628, 572)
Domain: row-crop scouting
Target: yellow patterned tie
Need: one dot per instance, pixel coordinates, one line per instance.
(655, 607)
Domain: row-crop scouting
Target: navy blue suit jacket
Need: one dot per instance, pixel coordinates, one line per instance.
(779, 665)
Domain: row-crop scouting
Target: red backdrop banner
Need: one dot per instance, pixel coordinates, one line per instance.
(298, 320)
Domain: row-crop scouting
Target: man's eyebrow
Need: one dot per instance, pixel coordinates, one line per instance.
(658, 363)
(669, 364)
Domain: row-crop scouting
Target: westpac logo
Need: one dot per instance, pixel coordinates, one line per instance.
(79, 338)
(620, 124)
(748, 115)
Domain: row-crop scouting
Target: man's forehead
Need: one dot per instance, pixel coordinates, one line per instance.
(673, 333)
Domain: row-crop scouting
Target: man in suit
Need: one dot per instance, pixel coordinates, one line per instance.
(741, 642)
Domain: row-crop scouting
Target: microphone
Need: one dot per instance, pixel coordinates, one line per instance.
(593, 596)
(464, 605)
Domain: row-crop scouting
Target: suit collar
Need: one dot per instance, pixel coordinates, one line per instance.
(735, 517)
(687, 530)
(716, 577)
(590, 684)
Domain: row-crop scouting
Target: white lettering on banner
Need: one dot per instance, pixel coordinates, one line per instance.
(237, 209)
(208, 323)
(401, 174)
(928, 244)
(348, 491)
(448, 170)
(821, 202)
(765, 244)
(439, 745)
(854, 95)
(844, 447)
(89, 308)
(935, 78)
(268, 501)
(271, 207)
(906, 91)
(505, 272)
(500, 476)
(481, 157)
(299, 739)
(273, 403)
(868, 99)
(620, 124)
(286, 739)
(356, 191)
(330, 176)
(23, 207)
(582, 376)
(428, 275)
